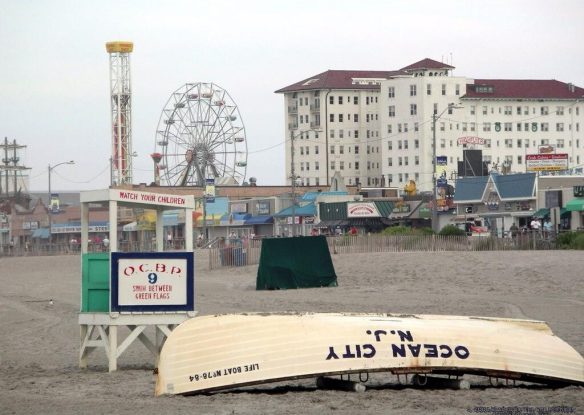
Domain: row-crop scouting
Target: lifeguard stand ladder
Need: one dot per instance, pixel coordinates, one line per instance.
(106, 303)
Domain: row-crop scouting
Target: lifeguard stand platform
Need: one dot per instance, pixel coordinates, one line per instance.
(133, 289)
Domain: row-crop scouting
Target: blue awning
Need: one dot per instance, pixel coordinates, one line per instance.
(259, 220)
(42, 233)
(306, 210)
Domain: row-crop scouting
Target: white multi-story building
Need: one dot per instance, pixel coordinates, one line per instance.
(375, 127)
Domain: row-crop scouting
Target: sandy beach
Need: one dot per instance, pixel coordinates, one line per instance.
(39, 342)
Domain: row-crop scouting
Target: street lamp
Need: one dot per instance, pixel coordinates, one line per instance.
(293, 176)
(436, 117)
(51, 168)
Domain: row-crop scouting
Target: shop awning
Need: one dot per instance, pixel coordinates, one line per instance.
(259, 220)
(42, 233)
(331, 223)
(541, 213)
(575, 205)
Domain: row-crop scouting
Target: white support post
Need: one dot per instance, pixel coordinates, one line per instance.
(159, 230)
(84, 227)
(189, 230)
(113, 225)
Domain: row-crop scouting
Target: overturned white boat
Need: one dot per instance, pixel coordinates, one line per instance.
(212, 353)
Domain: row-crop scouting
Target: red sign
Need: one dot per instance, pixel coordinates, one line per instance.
(471, 140)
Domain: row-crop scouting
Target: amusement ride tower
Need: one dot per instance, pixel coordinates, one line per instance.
(121, 105)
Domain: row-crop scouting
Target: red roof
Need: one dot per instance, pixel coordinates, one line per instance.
(334, 79)
(523, 88)
(427, 64)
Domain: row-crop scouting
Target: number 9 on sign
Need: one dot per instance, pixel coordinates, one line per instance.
(152, 278)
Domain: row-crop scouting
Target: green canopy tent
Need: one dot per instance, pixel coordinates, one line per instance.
(300, 262)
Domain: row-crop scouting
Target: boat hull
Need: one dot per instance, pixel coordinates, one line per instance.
(211, 353)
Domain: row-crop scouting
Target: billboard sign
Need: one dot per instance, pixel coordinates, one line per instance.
(362, 210)
(152, 281)
(546, 162)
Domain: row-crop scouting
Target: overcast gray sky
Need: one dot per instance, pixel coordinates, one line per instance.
(54, 76)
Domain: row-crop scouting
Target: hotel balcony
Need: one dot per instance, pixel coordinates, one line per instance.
(292, 109)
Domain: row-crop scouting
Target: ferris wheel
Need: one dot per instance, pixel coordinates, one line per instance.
(200, 136)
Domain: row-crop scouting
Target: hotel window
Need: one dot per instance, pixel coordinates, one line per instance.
(416, 126)
(356, 118)
(443, 89)
(341, 133)
(508, 143)
(472, 110)
(367, 133)
(366, 117)
(544, 126)
(508, 110)
(472, 126)
(519, 159)
(332, 150)
(519, 110)
(560, 111)
(389, 145)
(301, 166)
(391, 92)
(485, 110)
(429, 89)
(544, 142)
(442, 143)
(307, 150)
(435, 108)
(544, 111)
(391, 112)
(341, 149)
(399, 128)
(457, 90)
(464, 126)
(356, 100)
(487, 126)
(417, 160)
(508, 126)
(301, 150)
(316, 165)
(519, 143)
(356, 134)
(399, 144)
(389, 162)
(341, 165)
(315, 149)
(560, 143)
(332, 134)
(332, 117)
(331, 99)
(406, 160)
(405, 127)
(412, 90)
(400, 177)
(488, 143)
(400, 161)
(307, 166)
(416, 143)
(417, 177)
(332, 165)
(405, 144)
(560, 126)
(442, 126)
(356, 165)
(340, 100)
(519, 126)
(413, 109)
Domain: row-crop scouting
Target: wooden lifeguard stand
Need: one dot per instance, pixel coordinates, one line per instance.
(142, 296)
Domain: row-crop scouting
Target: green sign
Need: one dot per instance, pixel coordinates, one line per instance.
(425, 212)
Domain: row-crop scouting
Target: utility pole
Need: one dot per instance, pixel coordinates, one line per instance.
(293, 178)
